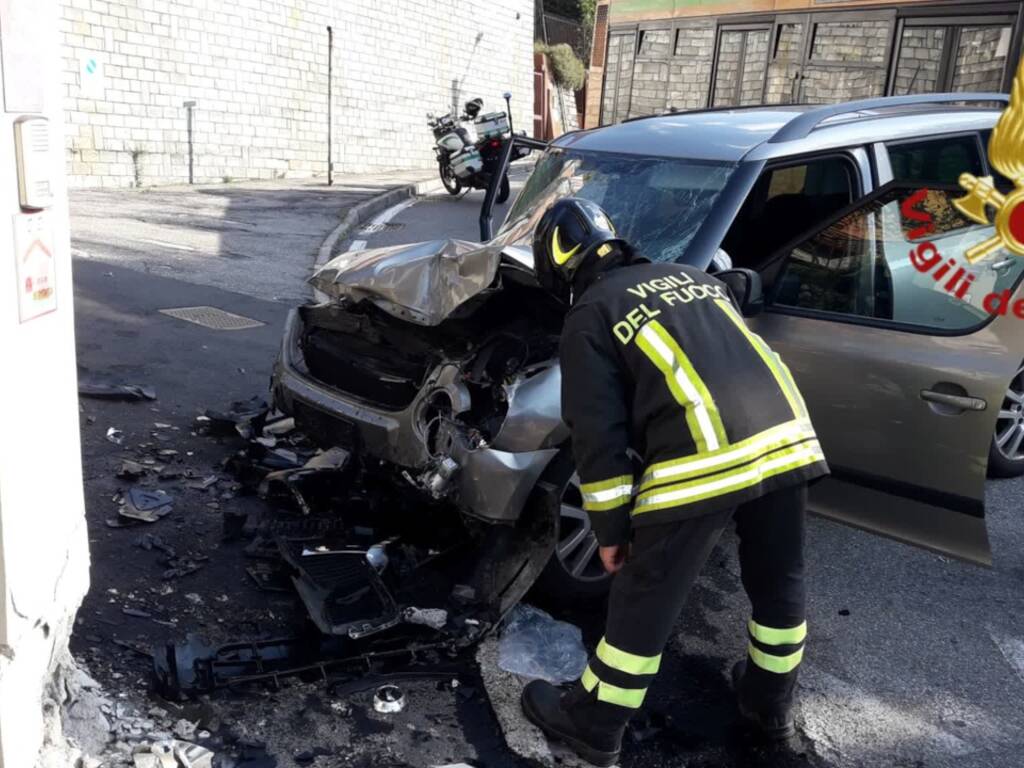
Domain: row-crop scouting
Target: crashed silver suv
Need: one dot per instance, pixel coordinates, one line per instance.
(437, 361)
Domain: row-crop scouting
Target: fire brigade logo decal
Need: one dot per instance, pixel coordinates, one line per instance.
(1006, 154)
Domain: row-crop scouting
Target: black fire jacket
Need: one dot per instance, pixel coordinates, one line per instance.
(676, 408)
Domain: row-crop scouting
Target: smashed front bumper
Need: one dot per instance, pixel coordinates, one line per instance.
(492, 481)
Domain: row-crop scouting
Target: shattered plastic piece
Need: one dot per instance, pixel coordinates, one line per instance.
(435, 618)
(108, 391)
(245, 418)
(180, 566)
(145, 505)
(536, 646)
(150, 542)
(203, 484)
(145, 500)
(131, 470)
(388, 699)
(332, 460)
(115, 435)
(280, 426)
(185, 729)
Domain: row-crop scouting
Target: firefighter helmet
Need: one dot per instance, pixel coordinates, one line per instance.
(571, 233)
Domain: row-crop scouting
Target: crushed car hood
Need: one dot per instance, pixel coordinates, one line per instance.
(420, 282)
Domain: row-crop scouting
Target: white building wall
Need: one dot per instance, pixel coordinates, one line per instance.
(44, 558)
(257, 70)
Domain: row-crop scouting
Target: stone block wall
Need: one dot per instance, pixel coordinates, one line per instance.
(257, 72)
(690, 69)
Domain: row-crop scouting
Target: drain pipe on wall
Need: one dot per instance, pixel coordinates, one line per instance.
(330, 75)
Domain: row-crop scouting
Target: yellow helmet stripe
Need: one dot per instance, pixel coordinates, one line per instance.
(560, 256)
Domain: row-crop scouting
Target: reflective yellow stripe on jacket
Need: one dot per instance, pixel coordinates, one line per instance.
(686, 386)
(607, 494)
(741, 477)
(769, 441)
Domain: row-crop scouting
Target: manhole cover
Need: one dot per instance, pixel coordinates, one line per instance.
(211, 317)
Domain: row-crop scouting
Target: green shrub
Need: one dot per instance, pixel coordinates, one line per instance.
(566, 68)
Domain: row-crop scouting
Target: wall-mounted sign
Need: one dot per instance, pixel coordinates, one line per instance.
(37, 278)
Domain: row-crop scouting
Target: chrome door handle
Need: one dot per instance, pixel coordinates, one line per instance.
(963, 402)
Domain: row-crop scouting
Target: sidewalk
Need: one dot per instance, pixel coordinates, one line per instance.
(259, 238)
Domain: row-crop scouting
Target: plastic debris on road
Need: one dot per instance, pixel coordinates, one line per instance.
(112, 391)
(537, 646)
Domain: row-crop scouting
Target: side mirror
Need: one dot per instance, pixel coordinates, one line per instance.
(506, 95)
(745, 286)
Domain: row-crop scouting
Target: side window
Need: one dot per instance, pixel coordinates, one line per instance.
(866, 265)
(787, 201)
(936, 161)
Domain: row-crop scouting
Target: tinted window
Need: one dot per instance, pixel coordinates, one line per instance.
(865, 264)
(786, 202)
(937, 161)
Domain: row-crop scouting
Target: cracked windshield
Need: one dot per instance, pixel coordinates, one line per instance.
(656, 204)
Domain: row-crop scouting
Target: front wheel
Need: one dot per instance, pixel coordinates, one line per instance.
(1006, 455)
(449, 179)
(575, 571)
(503, 190)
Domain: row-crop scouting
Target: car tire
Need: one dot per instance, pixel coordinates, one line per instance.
(1006, 453)
(449, 179)
(504, 190)
(574, 573)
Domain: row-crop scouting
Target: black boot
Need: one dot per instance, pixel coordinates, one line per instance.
(576, 719)
(766, 703)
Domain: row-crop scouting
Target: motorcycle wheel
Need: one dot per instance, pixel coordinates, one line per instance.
(449, 179)
(503, 190)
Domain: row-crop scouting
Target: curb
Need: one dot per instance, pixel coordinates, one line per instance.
(367, 210)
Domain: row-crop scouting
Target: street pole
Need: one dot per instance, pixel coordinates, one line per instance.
(330, 74)
(189, 105)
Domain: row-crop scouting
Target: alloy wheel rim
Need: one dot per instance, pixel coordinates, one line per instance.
(577, 547)
(1009, 436)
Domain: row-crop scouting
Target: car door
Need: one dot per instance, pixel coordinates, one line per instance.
(903, 368)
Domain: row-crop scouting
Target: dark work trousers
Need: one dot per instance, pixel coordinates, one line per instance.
(650, 591)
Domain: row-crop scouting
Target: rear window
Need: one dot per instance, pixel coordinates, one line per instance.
(936, 161)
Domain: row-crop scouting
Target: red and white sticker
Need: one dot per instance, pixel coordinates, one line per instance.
(37, 278)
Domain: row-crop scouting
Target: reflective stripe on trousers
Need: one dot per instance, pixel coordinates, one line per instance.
(778, 650)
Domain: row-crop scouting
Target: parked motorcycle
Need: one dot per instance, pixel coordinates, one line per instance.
(468, 148)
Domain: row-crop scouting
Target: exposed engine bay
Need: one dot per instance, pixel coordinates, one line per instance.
(457, 381)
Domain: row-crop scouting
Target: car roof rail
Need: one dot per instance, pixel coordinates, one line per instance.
(802, 125)
(702, 110)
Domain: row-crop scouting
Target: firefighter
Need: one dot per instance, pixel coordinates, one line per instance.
(682, 419)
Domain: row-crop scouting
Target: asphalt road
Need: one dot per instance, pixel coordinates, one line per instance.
(913, 659)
